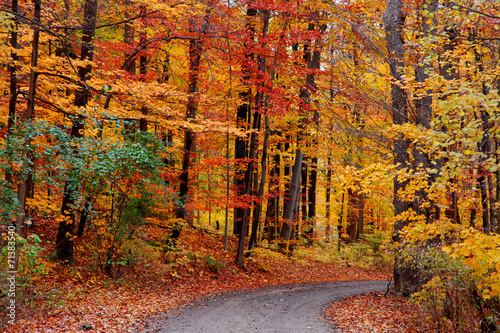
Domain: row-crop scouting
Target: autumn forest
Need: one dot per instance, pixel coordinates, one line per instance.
(172, 138)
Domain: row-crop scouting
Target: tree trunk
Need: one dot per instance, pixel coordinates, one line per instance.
(243, 113)
(128, 38)
(340, 228)
(312, 56)
(13, 78)
(258, 207)
(313, 177)
(286, 174)
(393, 24)
(240, 154)
(25, 184)
(286, 230)
(352, 214)
(248, 188)
(303, 194)
(195, 50)
(361, 215)
(143, 66)
(484, 202)
(65, 233)
(328, 200)
(273, 203)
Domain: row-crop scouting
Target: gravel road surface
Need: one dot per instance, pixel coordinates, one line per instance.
(290, 308)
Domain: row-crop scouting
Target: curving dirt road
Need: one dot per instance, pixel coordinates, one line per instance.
(291, 308)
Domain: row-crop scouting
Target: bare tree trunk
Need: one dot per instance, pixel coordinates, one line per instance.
(328, 199)
(272, 204)
(286, 192)
(361, 215)
(313, 178)
(286, 230)
(340, 228)
(303, 194)
(352, 214)
(484, 203)
(128, 38)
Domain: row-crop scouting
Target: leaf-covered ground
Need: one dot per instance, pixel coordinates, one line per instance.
(70, 299)
(375, 313)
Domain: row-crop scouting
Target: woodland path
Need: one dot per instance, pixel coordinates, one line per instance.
(289, 308)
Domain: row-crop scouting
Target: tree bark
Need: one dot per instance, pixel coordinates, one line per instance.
(292, 200)
(13, 78)
(393, 24)
(312, 57)
(195, 50)
(239, 260)
(328, 199)
(352, 214)
(273, 203)
(128, 38)
(258, 207)
(25, 183)
(361, 215)
(65, 233)
(242, 116)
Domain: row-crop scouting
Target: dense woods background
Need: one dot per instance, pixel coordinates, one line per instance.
(286, 124)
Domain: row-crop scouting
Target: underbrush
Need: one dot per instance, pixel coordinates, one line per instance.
(459, 270)
(372, 251)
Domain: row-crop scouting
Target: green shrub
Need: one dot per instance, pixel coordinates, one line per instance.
(213, 264)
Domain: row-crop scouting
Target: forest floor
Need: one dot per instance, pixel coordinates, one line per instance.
(79, 298)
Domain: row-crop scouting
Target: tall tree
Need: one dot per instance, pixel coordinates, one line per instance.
(65, 232)
(25, 183)
(198, 25)
(393, 24)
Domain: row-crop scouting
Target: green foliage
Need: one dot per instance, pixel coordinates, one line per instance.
(30, 263)
(117, 181)
(374, 241)
(213, 264)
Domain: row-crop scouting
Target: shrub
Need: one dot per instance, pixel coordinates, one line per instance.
(213, 264)
(459, 275)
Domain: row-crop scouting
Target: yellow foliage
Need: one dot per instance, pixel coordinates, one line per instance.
(419, 231)
(481, 253)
